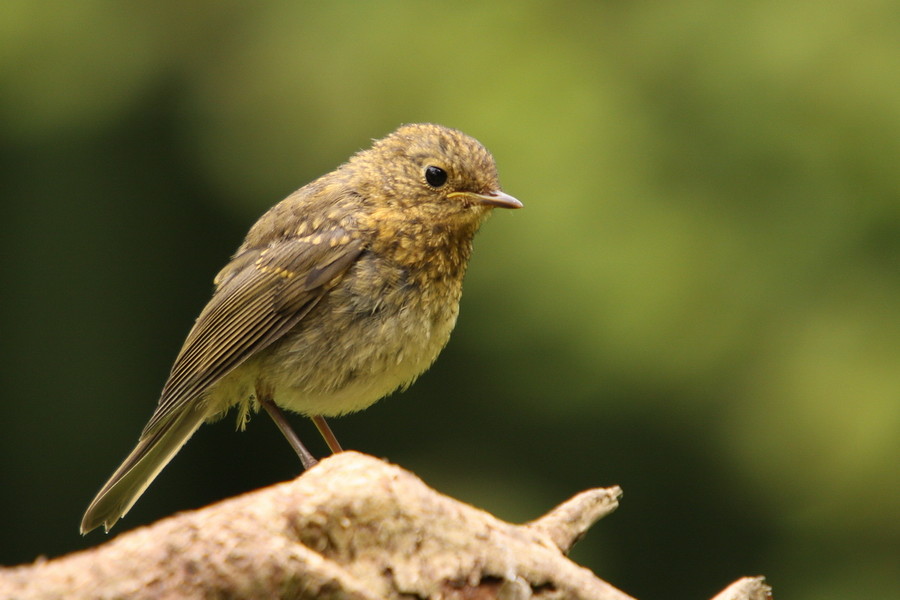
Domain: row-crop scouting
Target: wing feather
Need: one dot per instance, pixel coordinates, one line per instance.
(260, 297)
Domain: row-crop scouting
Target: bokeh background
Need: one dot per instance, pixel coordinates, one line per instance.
(700, 301)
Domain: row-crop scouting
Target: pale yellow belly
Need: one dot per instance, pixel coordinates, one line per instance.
(338, 361)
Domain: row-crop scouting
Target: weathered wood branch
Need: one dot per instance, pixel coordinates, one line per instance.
(746, 588)
(353, 527)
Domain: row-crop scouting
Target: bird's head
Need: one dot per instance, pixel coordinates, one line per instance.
(433, 172)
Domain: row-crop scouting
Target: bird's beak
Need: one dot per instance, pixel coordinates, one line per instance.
(498, 199)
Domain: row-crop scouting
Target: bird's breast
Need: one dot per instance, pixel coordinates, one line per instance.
(382, 326)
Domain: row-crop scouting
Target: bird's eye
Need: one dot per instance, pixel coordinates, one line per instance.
(435, 176)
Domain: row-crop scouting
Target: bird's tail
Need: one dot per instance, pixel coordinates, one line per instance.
(153, 452)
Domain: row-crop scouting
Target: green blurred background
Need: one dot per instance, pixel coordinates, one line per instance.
(700, 301)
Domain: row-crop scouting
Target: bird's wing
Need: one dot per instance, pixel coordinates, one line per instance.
(260, 296)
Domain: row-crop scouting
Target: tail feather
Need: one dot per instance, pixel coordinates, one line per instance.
(126, 485)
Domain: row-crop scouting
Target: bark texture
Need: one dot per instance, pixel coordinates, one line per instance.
(353, 527)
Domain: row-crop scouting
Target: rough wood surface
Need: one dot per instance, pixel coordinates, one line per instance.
(353, 527)
(746, 588)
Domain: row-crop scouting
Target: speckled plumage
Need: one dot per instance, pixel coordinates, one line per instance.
(340, 294)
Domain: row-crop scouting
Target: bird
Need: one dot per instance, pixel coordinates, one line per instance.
(342, 293)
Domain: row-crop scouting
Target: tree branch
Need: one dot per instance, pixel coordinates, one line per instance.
(353, 527)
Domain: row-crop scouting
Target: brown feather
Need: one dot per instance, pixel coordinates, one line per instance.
(256, 304)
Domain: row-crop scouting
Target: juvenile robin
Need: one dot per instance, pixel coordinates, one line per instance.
(341, 293)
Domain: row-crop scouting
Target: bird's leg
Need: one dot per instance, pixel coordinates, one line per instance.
(305, 457)
(326, 432)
